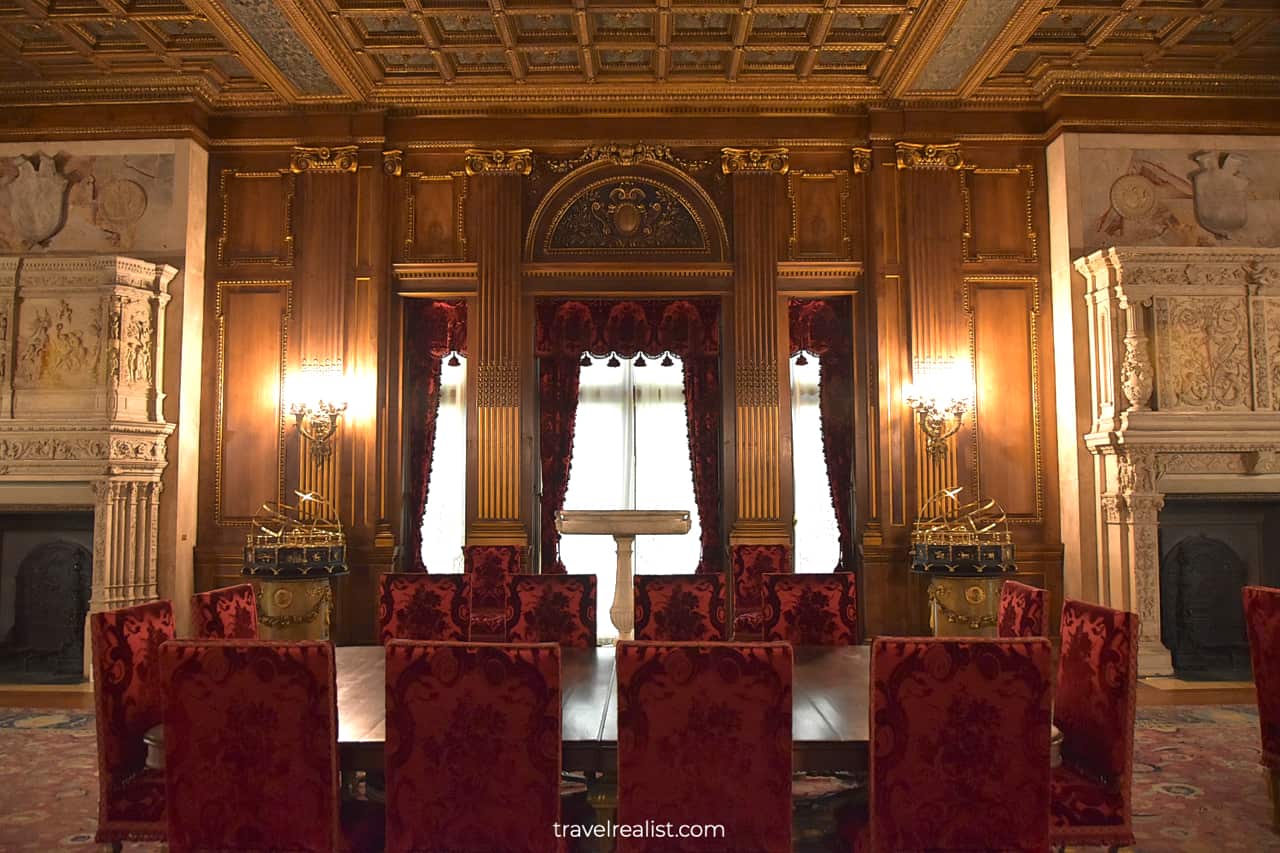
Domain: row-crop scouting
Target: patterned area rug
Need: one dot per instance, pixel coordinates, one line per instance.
(1197, 786)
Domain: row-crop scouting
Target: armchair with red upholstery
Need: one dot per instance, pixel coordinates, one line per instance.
(490, 566)
(749, 565)
(229, 613)
(811, 610)
(251, 752)
(128, 699)
(473, 746)
(960, 746)
(704, 733)
(419, 606)
(1094, 708)
(552, 609)
(1262, 621)
(1021, 611)
(680, 607)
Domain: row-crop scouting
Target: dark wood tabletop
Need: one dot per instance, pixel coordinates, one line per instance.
(829, 722)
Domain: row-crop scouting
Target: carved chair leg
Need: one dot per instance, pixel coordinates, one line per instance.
(1273, 788)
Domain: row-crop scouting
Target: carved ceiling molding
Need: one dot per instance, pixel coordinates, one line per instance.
(341, 158)
(518, 161)
(755, 160)
(911, 155)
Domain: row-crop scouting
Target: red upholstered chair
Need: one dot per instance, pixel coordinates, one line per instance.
(250, 750)
(1021, 611)
(552, 609)
(1094, 708)
(229, 613)
(128, 699)
(418, 606)
(490, 566)
(680, 607)
(750, 563)
(704, 734)
(811, 610)
(1262, 620)
(473, 747)
(960, 746)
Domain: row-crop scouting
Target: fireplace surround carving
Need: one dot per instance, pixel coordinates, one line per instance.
(1185, 372)
(81, 407)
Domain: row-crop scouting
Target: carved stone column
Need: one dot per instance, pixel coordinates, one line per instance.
(496, 335)
(758, 349)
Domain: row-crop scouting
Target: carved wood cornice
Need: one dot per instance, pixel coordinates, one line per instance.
(755, 160)
(341, 158)
(516, 161)
(929, 156)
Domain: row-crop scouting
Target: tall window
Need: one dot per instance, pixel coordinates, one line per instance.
(630, 451)
(817, 547)
(444, 521)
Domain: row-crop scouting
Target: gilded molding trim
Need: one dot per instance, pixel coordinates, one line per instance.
(459, 182)
(861, 160)
(393, 162)
(516, 161)
(1033, 341)
(756, 384)
(498, 384)
(285, 259)
(841, 179)
(966, 236)
(220, 397)
(928, 156)
(620, 154)
(767, 160)
(324, 159)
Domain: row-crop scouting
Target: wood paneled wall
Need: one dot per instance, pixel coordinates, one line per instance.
(940, 261)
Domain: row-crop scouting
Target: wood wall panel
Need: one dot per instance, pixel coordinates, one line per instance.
(1007, 454)
(434, 216)
(257, 217)
(819, 215)
(998, 213)
(252, 328)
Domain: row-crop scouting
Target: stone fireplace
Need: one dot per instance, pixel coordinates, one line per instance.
(80, 406)
(1185, 374)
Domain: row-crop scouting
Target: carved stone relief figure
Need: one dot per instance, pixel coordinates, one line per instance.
(55, 351)
(137, 343)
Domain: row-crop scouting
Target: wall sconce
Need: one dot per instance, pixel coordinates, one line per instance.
(940, 392)
(314, 406)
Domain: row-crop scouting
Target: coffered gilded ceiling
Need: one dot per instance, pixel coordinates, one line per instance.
(462, 56)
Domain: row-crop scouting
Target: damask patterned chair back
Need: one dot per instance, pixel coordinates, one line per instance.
(1262, 622)
(418, 606)
(1094, 708)
(473, 746)
(750, 563)
(1021, 611)
(552, 609)
(704, 729)
(489, 567)
(811, 610)
(680, 607)
(229, 613)
(960, 744)
(128, 699)
(251, 751)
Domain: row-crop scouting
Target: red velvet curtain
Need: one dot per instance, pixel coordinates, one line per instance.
(433, 329)
(688, 328)
(823, 327)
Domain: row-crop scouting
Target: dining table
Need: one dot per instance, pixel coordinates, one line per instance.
(829, 722)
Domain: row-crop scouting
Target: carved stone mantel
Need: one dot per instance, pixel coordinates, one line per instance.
(1185, 370)
(80, 405)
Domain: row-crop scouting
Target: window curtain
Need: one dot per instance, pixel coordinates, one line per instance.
(823, 327)
(433, 329)
(688, 328)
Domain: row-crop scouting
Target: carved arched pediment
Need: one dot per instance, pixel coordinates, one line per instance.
(649, 211)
